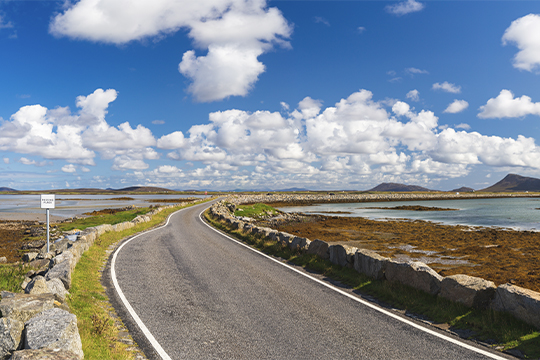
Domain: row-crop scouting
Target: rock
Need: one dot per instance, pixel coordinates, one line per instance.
(39, 264)
(29, 256)
(468, 290)
(10, 336)
(66, 256)
(285, 238)
(25, 282)
(338, 255)
(53, 329)
(3, 260)
(61, 271)
(319, 248)
(44, 354)
(7, 294)
(57, 288)
(23, 307)
(522, 303)
(299, 243)
(370, 263)
(415, 274)
(37, 286)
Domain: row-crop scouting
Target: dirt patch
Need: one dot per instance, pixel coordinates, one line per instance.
(414, 208)
(12, 235)
(495, 254)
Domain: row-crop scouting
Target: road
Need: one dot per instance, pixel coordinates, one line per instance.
(200, 295)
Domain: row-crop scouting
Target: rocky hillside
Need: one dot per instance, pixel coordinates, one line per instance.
(398, 187)
(513, 182)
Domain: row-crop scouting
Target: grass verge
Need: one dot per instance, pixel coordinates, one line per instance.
(88, 301)
(502, 331)
(256, 211)
(111, 219)
(12, 276)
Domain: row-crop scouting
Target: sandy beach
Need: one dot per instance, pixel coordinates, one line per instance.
(29, 216)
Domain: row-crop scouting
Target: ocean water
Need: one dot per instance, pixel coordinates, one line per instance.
(71, 205)
(513, 213)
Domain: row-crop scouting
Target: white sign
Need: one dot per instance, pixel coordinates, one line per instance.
(47, 201)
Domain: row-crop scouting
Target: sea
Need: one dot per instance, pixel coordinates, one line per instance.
(508, 213)
(67, 206)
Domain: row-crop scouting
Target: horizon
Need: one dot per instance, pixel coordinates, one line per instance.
(231, 94)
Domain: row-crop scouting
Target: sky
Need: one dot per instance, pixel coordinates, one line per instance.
(268, 95)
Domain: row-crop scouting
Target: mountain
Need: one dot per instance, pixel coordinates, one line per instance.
(513, 182)
(6, 189)
(398, 187)
(144, 189)
(463, 189)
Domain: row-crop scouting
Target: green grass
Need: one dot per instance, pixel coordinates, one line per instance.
(486, 325)
(256, 211)
(12, 276)
(88, 301)
(111, 219)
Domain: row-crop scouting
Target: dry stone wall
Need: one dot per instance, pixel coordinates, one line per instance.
(471, 291)
(38, 324)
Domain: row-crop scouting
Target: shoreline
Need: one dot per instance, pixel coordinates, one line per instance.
(29, 216)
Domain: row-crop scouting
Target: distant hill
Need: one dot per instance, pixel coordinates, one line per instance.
(513, 182)
(144, 189)
(463, 189)
(7, 189)
(398, 187)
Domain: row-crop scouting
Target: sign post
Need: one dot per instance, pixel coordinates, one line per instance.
(47, 202)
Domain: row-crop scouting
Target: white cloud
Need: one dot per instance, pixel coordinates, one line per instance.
(85, 169)
(524, 33)
(69, 168)
(463, 126)
(413, 95)
(6, 160)
(26, 161)
(456, 106)
(321, 20)
(235, 33)
(413, 71)
(506, 106)
(158, 122)
(4, 24)
(405, 7)
(448, 87)
(361, 29)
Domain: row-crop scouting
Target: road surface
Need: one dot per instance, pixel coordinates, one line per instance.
(187, 292)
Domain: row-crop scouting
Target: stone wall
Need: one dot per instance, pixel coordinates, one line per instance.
(38, 323)
(471, 291)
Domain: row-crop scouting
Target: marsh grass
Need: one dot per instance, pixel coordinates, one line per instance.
(256, 211)
(95, 315)
(496, 328)
(12, 276)
(111, 219)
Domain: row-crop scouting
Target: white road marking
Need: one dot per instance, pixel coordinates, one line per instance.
(363, 302)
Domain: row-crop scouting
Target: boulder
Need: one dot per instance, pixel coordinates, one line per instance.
(299, 243)
(415, 274)
(102, 229)
(56, 287)
(468, 290)
(37, 286)
(23, 307)
(44, 354)
(10, 336)
(53, 329)
(66, 256)
(520, 302)
(61, 271)
(285, 238)
(319, 248)
(370, 263)
(3, 260)
(29, 256)
(337, 255)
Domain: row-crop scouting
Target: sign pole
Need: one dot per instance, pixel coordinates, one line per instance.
(47, 229)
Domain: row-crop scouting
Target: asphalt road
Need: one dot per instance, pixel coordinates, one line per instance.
(201, 295)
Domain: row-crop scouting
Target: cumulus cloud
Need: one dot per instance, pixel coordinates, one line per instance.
(58, 134)
(405, 7)
(448, 87)
(70, 168)
(523, 33)
(413, 71)
(456, 106)
(5, 24)
(413, 95)
(234, 33)
(6, 160)
(506, 106)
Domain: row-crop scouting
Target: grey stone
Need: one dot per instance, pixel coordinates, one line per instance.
(38, 285)
(57, 288)
(520, 302)
(7, 294)
(61, 271)
(338, 255)
(44, 354)
(29, 256)
(66, 256)
(3, 260)
(468, 290)
(285, 238)
(319, 248)
(299, 243)
(53, 329)
(10, 336)
(415, 274)
(39, 264)
(23, 307)
(370, 263)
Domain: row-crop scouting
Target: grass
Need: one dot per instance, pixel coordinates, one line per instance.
(497, 328)
(256, 211)
(111, 219)
(12, 276)
(99, 334)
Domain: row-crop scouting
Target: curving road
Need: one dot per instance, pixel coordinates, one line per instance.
(197, 294)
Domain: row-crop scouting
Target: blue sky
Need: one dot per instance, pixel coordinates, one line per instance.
(235, 94)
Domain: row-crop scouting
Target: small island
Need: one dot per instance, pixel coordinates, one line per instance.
(414, 208)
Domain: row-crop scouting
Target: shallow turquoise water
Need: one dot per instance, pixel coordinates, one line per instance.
(515, 213)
